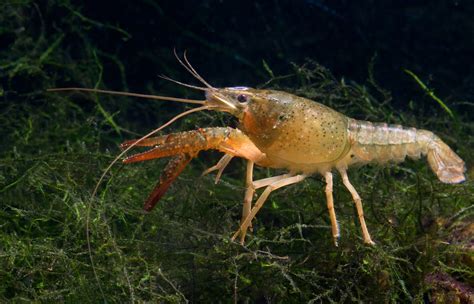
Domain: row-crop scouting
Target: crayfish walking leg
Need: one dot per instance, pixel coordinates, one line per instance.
(358, 203)
(276, 182)
(330, 204)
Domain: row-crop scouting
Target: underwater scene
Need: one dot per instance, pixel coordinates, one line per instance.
(218, 151)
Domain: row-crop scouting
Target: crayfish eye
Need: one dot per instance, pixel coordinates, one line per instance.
(242, 98)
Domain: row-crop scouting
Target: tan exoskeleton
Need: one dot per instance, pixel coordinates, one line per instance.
(281, 130)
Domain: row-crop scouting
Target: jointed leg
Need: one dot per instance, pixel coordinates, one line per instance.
(249, 191)
(283, 181)
(221, 164)
(330, 204)
(269, 180)
(358, 203)
(251, 187)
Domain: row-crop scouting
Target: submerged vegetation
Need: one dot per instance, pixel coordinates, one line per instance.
(55, 146)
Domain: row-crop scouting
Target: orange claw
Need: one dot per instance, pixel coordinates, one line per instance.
(173, 169)
(227, 140)
(147, 142)
(183, 146)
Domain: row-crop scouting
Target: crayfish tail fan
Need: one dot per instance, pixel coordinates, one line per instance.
(445, 163)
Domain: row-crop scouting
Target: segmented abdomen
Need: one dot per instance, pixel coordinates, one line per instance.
(380, 142)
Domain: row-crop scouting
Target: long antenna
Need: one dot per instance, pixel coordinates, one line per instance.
(156, 97)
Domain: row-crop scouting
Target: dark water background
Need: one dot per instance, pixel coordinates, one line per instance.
(228, 40)
(55, 146)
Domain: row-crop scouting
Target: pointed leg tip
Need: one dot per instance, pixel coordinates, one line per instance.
(206, 172)
(369, 242)
(242, 237)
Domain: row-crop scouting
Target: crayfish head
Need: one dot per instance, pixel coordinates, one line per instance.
(233, 100)
(259, 111)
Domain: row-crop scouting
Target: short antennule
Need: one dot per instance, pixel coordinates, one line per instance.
(182, 83)
(190, 68)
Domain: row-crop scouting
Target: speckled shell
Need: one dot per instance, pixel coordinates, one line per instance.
(295, 132)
